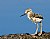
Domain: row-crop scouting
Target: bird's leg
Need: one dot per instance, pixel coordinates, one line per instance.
(40, 29)
(36, 28)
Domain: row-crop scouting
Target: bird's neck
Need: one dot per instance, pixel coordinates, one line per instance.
(29, 14)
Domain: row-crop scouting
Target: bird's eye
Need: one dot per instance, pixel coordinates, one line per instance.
(30, 10)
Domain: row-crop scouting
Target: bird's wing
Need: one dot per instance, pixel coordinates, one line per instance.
(37, 16)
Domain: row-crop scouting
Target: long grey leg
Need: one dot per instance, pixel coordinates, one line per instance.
(41, 27)
(36, 28)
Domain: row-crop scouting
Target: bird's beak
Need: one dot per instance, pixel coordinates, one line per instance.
(23, 14)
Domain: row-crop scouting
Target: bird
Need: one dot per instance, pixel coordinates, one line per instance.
(35, 18)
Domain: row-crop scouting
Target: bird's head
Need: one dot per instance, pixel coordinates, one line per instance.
(27, 11)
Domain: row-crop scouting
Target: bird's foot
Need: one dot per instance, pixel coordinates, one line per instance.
(32, 34)
(35, 34)
(40, 34)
